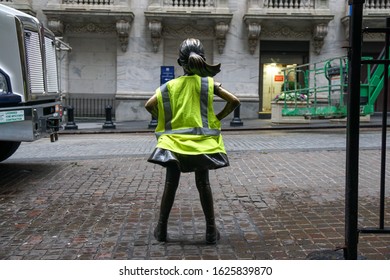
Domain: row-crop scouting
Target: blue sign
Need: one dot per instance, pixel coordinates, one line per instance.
(167, 74)
(168, 70)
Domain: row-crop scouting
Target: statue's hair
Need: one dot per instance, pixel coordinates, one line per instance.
(193, 61)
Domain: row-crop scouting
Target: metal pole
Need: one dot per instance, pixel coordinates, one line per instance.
(384, 130)
(353, 123)
(71, 123)
(153, 123)
(108, 124)
(384, 59)
(236, 121)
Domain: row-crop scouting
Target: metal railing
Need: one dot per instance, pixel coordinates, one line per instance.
(85, 107)
(189, 3)
(377, 4)
(315, 90)
(289, 4)
(89, 2)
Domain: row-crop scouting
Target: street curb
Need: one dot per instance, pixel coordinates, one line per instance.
(226, 129)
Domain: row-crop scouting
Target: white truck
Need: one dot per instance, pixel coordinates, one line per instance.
(30, 99)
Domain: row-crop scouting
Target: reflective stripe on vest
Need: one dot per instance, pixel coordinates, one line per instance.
(204, 107)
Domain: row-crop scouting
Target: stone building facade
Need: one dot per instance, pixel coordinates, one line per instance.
(119, 46)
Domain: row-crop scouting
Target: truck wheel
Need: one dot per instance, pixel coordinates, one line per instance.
(7, 149)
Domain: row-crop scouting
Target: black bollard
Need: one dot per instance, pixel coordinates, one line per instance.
(70, 124)
(236, 121)
(153, 123)
(108, 123)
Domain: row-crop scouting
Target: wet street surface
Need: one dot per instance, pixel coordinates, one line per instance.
(96, 197)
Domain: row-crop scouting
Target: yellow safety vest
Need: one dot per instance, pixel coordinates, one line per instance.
(186, 120)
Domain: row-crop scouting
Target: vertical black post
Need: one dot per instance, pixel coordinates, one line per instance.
(236, 121)
(353, 123)
(152, 123)
(108, 124)
(384, 130)
(70, 123)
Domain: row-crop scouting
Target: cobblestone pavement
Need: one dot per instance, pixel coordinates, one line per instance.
(96, 197)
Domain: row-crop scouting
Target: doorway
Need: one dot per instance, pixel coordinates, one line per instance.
(276, 80)
(273, 80)
(274, 57)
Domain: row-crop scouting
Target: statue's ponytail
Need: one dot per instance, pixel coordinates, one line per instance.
(192, 59)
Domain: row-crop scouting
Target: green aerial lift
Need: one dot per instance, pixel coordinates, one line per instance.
(319, 90)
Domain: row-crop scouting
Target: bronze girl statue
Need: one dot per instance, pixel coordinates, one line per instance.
(189, 132)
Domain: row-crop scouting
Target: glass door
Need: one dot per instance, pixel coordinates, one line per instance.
(272, 83)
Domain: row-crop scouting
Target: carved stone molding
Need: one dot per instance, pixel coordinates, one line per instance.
(21, 5)
(56, 26)
(187, 31)
(164, 25)
(304, 26)
(117, 20)
(278, 32)
(319, 33)
(374, 37)
(367, 22)
(123, 31)
(221, 29)
(122, 28)
(102, 28)
(345, 23)
(254, 30)
(155, 28)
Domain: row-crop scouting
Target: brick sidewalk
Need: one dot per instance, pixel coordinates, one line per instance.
(276, 205)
